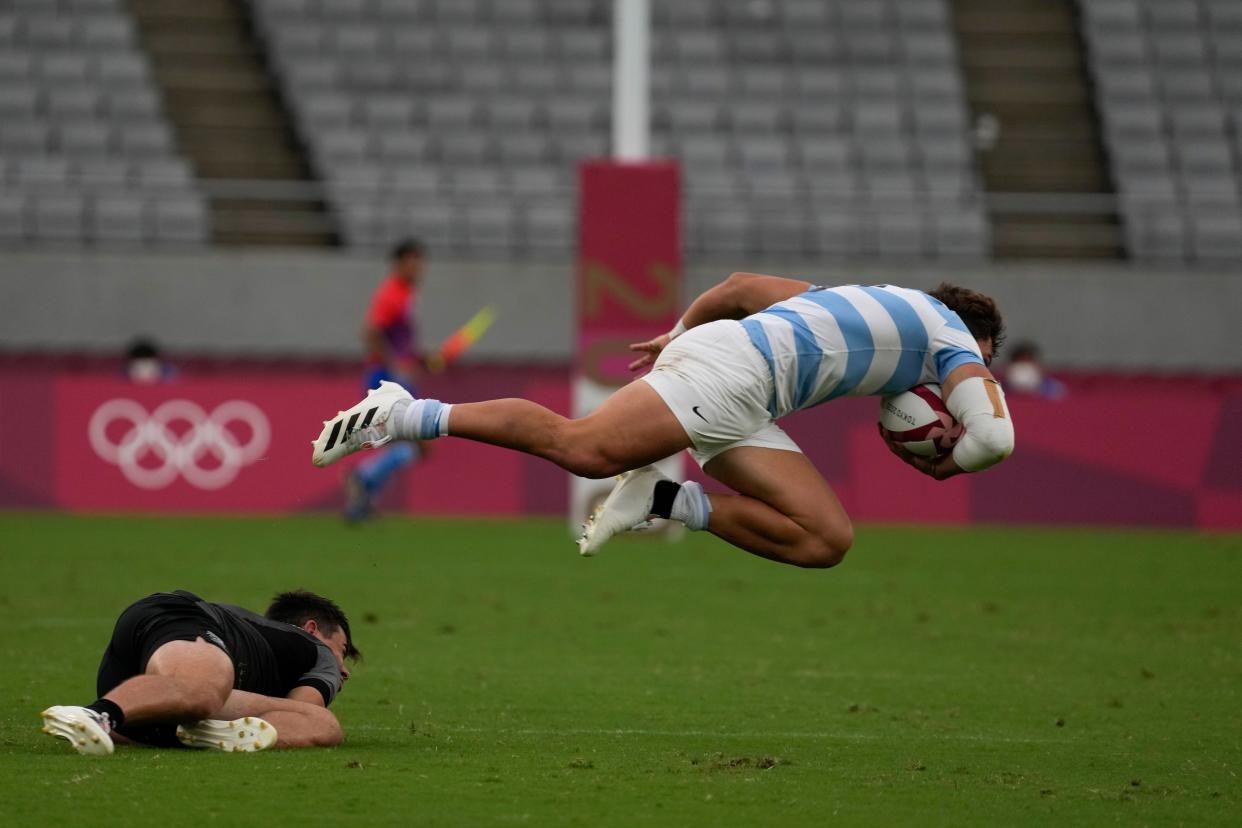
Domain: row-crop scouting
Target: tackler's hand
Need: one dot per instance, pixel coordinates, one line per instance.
(648, 351)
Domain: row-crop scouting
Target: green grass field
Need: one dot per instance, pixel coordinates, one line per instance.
(937, 677)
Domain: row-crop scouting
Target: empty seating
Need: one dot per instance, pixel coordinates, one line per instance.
(86, 155)
(1167, 76)
(775, 109)
(843, 125)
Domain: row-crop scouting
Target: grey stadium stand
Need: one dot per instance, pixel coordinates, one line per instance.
(806, 127)
(1168, 78)
(86, 155)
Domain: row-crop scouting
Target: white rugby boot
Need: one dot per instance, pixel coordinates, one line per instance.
(628, 506)
(245, 735)
(362, 427)
(82, 727)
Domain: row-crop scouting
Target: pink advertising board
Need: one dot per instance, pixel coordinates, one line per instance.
(241, 443)
(1115, 451)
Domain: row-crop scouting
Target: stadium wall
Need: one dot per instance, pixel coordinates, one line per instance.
(309, 304)
(1113, 451)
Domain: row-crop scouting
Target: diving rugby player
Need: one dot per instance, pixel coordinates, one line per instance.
(748, 351)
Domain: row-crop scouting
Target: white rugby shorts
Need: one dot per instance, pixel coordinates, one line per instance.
(718, 386)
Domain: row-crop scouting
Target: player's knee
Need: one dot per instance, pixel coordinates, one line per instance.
(588, 449)
(320, 728)
(822, 550)
(205, 697)
(591, 462)
(201, 701)
(329, 733)
(599, 468)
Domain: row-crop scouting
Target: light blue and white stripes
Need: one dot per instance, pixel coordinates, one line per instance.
(857, 340)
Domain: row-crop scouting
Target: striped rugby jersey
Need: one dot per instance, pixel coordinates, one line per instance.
(856, 340)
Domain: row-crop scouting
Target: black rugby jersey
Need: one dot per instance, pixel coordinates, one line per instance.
(272, 657)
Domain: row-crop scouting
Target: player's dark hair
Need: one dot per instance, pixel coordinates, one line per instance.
(298, 606)
(406, 247)
(977, 310)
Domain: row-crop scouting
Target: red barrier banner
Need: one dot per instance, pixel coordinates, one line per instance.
(1118, 452)
(1112, 452)
(629, 285)
(242, 444)
(629, 263)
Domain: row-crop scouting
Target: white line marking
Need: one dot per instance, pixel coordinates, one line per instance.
(433, 729)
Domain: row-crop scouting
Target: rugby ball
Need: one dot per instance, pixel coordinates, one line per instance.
(919, 421)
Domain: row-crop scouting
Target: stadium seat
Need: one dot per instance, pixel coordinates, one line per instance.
(1216, 235)
(179, 220)
(59, 217)
(85, 140)
(573, 149)
(87, 104)
(466, 148)
(31, 137)
(899, 234)
(38, 174)
(537, 181)
(516, 11)
(382, 112)
(1162, 84)
(133, 103)
(117, 219)
(451, 113)
(403, 147)
(163, 174)
(782, 231)
(355, 179)
(749, 96)
(834, 230)
(103, 176)
(529, 149)
(12, 216)
(478, 184)
(489, 227)
(549, 228)
(960, 235)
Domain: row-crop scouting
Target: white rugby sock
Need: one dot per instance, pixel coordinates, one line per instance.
(419, 419)
(691, 506)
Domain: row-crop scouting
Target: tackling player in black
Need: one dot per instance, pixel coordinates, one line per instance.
(183, 671)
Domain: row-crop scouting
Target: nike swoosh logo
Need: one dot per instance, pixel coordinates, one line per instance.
(695, 409)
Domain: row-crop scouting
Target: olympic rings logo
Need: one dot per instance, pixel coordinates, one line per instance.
(179, 451)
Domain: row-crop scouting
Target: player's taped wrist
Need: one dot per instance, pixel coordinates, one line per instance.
(678, 329)
(979, 405)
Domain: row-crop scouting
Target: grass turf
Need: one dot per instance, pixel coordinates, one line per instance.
(938, 677)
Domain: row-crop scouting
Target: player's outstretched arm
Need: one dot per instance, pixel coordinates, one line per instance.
(738, 296)
(298, 723)
(975, 400)
(741, 295)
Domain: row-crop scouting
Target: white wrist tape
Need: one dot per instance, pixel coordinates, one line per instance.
(979, 405)
(678, 329)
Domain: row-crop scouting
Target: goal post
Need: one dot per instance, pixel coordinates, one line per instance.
(629, 269)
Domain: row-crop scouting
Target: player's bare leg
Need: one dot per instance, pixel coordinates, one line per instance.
(632, 428)
(784, 510)
(296, 724)
(185, 680)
